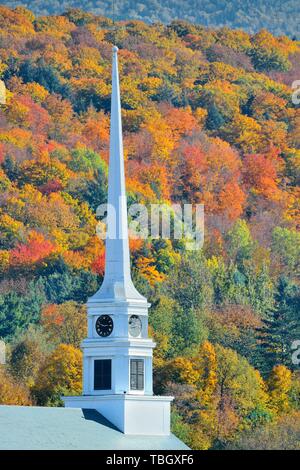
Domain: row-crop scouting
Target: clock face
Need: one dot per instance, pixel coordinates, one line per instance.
(135, 325)
(104, 325)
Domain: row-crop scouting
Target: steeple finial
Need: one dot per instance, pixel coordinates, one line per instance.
(117, 283)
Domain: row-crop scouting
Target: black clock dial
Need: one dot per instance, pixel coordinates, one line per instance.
(104, 325)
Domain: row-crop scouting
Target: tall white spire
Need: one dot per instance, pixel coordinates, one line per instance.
(117, 283)
(117, 352)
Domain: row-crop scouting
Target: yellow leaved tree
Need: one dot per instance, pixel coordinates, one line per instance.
(279, 385)
(61, 374)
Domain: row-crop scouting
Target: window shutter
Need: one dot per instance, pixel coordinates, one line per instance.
(102, 374)
(137, 374)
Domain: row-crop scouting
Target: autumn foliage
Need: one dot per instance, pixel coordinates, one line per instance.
(207, 119)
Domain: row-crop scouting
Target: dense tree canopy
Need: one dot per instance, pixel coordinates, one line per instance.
(208, 118)
(278, 17)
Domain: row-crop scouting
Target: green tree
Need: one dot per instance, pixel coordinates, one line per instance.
(188, 331)
(280, 328)
(45, 75)
(84, 159)
(93, 191)
(161, 314)
(239, 241)
(286, 247)
(17, 311)
(190, 282)
(62, 283)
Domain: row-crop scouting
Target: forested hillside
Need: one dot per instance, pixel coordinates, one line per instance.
(275, 15)
(208, 118)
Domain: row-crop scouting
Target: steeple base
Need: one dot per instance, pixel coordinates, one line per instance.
(131, 414)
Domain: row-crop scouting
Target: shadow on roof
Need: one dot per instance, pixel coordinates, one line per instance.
(93, 415)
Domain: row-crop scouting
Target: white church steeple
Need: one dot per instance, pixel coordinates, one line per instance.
(117, 353)
(117, 282)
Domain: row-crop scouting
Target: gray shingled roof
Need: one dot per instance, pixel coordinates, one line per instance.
(32, 427)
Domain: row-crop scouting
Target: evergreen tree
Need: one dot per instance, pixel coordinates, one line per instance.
(188, 331)
(17, 311)
(215, 119)
(280, 328)
(10, 167)
(45, 75)
(93, 191)
(62, 283)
